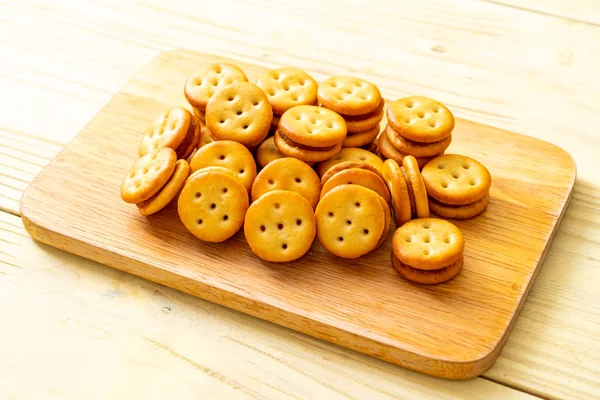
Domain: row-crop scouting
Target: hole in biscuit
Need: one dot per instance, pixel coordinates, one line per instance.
(271, 92)
(262, 228)
(255, 103)
(329, 125)
(199, 222)
(357, 204)
(213, 206)
(435, 109)
(432, 124)
(198, 195)
(198, 82)
(420, 114)
(302, 82)
(222, 157)
(225, 190)
(222, 121)
(225, 217)
(230, 98)
(286, 87)
(427, 239)
(218, 69)
(339, 97)
(313, 120)
(445, 185)
(446, 239)
(330, 214)
(349, 222)
(277, 205)
(298, 222)
(271, 181)
(349, 91)
(294, 98)
(425, 252)
(472, 182)
(284, 246)
(466, 166)
(362, 158)
(441, 166)
(241, 171)
(334, 84)
(455, 175)
(366, 231)
(363, 97)
(407, 120)
(309, 129)
(245, 126)
(239, 112)
(426, 225)
(341, 239)
(408, 239)
(131, 174)
(280, 226)
(145, 170)
(349, 183)
(297, 117)
(298, 180)
(409, 104)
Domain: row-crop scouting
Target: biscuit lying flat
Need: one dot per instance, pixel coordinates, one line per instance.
(288, 87)
(280, 226)
(212, 205)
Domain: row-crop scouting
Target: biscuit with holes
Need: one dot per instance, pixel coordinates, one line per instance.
(420, 119)
(307, 154)
(348, 95)
(191, 141)
(347, 165)
(168, 192)
(280, 226)
(240, 112)
(456, 180)
(288, 174)
(350, 221)
(396, 183)
(267, 152)
(390, 152)
(422, 150)
(148, 175)
(387, 222)
(459, 212)
(365, 122)
(228, 154)
(413, 177)
(350, 154)
(212, 205)
(357, 176)
(428, 243)
(432, 277)
(313, 126)
(212, 168)
(168, 130)
(359, 139)
(201, 85)
(288, 87)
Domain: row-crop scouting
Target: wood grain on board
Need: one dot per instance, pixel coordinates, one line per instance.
(454, 330)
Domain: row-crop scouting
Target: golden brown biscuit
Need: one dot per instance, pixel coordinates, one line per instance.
(280, 226)
(200, 86)
(191, 141)
(350, 221)
(240, 112)
(348, 95)
(168, 192)
(365, 122)
(228, 154)
(432, 277)
(359, 139)
(350, 154)
(288, 174)
(422, 150)
(389, 151)
(200, 114)
(415, 180)
(205, 137)
(357, 176)
(428, 243)
(212, 205)
(347, 165)
(304, 153)
(420, 119)
(456, 180)
(397, 185)
(313, 126)
(459, 212)
(168, 130)
(288, 87)
(148, 175)
(267, 152)
(387, 222)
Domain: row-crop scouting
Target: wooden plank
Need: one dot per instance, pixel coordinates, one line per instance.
(579, 10)
(455, 330)
(73, 320)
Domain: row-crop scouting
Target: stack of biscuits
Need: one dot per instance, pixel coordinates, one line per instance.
(358, 102)
(458, 186)
(428, 251)
(310, 133)
(417, 126)
(286, 88)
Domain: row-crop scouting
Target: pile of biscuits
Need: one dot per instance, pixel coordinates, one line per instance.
(313, 179)
(417, 126)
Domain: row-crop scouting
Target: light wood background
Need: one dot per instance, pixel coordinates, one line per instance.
(529, 66)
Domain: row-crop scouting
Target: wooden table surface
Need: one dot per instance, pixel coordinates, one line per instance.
(72, 328)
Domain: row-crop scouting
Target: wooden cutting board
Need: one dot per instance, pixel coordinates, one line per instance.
(454, 330)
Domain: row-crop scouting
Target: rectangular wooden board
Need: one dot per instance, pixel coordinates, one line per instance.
(454, 330)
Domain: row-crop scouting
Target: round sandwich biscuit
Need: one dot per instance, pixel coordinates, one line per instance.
(313, 126)
(350, 221)
(288, 87)
(288, 174)
(148, 175)
(212, 205)
(168, 192)
(201, 85)
(168, 130)
(348, 95)
(410, 168)
(432, 277)
(428, 243)
(459, 212)
(390, 152)
(361, 138)
(397, 185)
(420, 119)
(191, 141)
(280, 226)
(357, 176)
(240, 112)
(347, 165)
(365, 122)
(415, 149)
(387, 222)
(307, 154)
